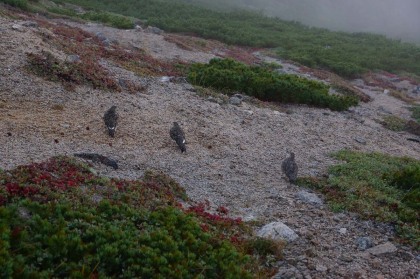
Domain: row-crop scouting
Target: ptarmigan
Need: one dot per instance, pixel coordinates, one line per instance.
(111, 119)
(178, 135)
(290, 167)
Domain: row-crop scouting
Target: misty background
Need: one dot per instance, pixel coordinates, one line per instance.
(399, 19)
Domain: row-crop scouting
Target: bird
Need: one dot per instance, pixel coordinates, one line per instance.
(178, 136)
(111, 119)
(290, 168)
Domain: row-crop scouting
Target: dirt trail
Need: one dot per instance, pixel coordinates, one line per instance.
(233, 156)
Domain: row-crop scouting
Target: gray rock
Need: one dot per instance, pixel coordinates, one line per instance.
(360, 140)
(277, 231)
(153, 30)
(321, 268)
(138, 28)
(212, 99)
(18, 27)
(288, 273)
(235, 100)
(385, 248)
(309, 197)
(24, 213)
(101, 36)
(364, 243)
(73, 58)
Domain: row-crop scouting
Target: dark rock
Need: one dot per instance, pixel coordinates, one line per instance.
(412, 139)
(360, 140)
(413, 127)
(30, 24)
(98, 159)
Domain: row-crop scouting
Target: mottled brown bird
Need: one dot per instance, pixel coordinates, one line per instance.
(290, 168)
(178, 136)
(111, 120)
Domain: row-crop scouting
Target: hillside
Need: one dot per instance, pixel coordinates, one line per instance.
(234, 152)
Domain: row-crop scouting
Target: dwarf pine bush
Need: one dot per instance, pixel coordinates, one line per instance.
(267, 85)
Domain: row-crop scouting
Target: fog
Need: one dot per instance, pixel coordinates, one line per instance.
(398, 19)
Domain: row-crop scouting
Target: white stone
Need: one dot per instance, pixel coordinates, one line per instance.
(277, 231)
(343, 230)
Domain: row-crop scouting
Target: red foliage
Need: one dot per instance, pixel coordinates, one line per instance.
(55, 174)
(21, 191)
(201, 210)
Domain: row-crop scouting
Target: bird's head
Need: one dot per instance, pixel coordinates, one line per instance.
(111, 130)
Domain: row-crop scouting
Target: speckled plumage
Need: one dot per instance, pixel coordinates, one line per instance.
(178, 136)
(290, 167)
(111, 120)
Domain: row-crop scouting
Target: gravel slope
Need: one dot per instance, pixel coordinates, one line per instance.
(233, 156)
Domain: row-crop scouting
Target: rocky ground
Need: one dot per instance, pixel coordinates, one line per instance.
(234, 152)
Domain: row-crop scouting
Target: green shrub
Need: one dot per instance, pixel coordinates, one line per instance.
(22, 4)
(416, 113)
(60, 220)
(376, 186)
(267, 85)
(113, 20)
(394, 123)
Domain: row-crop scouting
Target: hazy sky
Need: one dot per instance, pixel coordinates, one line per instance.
(395, 18)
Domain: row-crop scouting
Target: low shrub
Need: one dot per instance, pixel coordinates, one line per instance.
(416, 113)
(267, 85)
(59, 219)
(113, 20)
(22, 4)
(70, 74)
(394, 123)
(377, 186)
